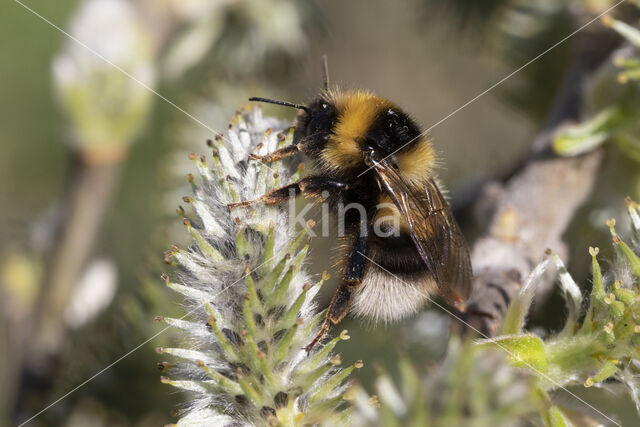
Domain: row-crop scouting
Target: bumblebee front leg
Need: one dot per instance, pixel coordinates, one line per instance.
(310, 186)
(341, 300)
(279, 154)
(305, 146)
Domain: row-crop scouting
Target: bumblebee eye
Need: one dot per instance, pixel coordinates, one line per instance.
(321, 119)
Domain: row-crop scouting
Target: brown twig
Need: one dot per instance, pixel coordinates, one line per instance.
(531, 210)
(86, 203)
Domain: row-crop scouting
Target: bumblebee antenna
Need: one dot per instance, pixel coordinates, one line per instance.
(325, 72)
(284, 103)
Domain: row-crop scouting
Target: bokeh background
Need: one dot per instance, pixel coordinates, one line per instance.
(92, 163)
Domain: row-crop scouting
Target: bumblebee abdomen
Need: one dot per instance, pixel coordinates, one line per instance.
(386, 297)
(397, 283)
(397, 255)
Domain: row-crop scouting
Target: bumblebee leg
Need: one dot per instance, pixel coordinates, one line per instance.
(310, 186)
(338, 308)
(273, 197)
(305, 145)
(354, 271)
(341, 300)
(279, 154)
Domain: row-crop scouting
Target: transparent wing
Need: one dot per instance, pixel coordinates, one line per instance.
(434, 230)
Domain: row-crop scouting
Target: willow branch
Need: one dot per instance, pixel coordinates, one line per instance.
(531, 210)
(86, 202)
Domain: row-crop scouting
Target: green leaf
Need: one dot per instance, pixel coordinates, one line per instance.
(586, 136)
(524, 351)
(627, 252)
(628, 143)
(607, 370)
(625, 30)
(519, 307)
(555, 418)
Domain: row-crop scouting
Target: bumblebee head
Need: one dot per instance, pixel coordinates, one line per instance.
(319, 118)
(315, 120)
(339, 127)
(357, 122)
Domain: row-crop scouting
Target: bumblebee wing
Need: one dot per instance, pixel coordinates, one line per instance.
(433, 229)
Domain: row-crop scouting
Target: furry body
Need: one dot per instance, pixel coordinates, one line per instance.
(355, 119)
(375, 169)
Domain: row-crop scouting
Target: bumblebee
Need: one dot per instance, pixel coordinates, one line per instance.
(403, 243)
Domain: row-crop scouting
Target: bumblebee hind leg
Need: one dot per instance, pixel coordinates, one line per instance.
(342, 297)
(338, 308)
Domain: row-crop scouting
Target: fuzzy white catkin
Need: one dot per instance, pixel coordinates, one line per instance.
(248, 298)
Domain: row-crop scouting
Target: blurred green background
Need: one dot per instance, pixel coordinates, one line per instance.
(428, 57)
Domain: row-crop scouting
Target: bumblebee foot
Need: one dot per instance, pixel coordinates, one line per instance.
(323, 330)
(309, 347)
(312, 344)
